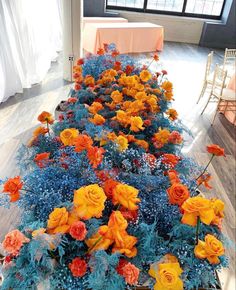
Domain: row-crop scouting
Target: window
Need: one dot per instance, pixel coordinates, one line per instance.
(193, 8)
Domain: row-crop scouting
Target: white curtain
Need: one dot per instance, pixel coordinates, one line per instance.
(30, 37)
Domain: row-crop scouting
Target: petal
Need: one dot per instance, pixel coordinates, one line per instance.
(189, 219)
(207, 216)
(200, 251)
(213, 259)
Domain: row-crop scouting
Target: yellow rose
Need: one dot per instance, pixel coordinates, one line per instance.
(126, 195)
(68, 136)
(122, 143)
(145, 75)
(167, 274)
(136, 124)
(211, 249)
(57, 222)
(122, 117)
(89, 201)
(195, 207)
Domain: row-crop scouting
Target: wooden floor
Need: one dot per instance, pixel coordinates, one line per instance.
(185, 65)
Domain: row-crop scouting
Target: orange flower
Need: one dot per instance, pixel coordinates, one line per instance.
(100, 51)
(57, 222)
(172, 113)
(80, 61)
(82, 142)
(122, 143)
(126, 195)
(161, 138)
(167, 86)
(216, 150)
(78, 231)
(218, 207)
(195, 207)
(95, 155)
(211, 249)
(109, 186)
(99, 241)
(97, 119)
(89, 201)
(40, 131)
(38, 232)
(131, 274)
(136, 124)
(13, 186)
(175, 138)
(173, 176)
(156, 57)
(95, 107)
(115, 53)
(14, 241)
(170, 159)
(126, 246)
(68, 136)
(45, 117)
(111, 136)
(204, 179)
(122, 117)
(117, 97)
(178, 193)
(89, 81)
(42, 159)
(167, 274)
(78, 267)
(145, 75)
(117, 66)
(142, 143)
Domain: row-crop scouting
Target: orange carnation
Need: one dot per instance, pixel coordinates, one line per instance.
(95, 155)
(78, 231)
(58, 221)
(40, 131)
(178, 193)
(82, 142)
(78, 267)
(131, 274)
(195, 207)
(145, 75)
(13, 186)
(216, 150)
(211, 249)
(173, 176)
(45, 117)
(13, 242)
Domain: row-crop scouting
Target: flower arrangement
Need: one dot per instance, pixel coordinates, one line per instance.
(108, 199)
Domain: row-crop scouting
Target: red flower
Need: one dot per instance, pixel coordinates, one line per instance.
(13, 187)
(120, 266)
(80, 61)
(130, 215)
(156, 57)
(42, 159)
(95, 155)
(109, 186)
(129, 69)
(115, 53)
(117, 66)
(147, 123)
(105, 46)
(77, 87)
(175, 137)
(170, 159)
(164, 72)
(78, 231)
(204, 179)
(100, 51)
(78, 267)
(72, 100)
(216, 150)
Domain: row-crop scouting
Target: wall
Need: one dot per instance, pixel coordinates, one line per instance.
(179, 29)
(223, 34)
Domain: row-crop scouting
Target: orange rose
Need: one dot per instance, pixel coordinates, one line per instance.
(68, 136)
(211, 249)
(167, 86)
(89, 201)
(126, 195)
(178, 193)
(57, 222)
(13, 242)
(216, 150)
(126, 246)
(195, 207)
(82, 142)
(145, 75)
(167, 274)
(45, 117)
(95, 107)
(109, 186)
(99, 241)
(218, 207)
(13, 186)
(161, 138)
(117, 224)
(95, 155)
(97, 120)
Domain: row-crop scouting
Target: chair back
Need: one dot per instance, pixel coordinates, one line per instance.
(229, 57)
(208, 64)
(218, 81)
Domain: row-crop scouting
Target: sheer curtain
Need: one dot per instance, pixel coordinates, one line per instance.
(30, 36)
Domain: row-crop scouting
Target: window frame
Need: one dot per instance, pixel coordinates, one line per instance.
(165, 12)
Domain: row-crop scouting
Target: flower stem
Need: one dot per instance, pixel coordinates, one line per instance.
(197, 229)
(97, 241)
(48, 128)
(205, 167)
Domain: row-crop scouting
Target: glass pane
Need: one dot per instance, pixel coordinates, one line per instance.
(126, 3)
(166, 5)
(206, 7)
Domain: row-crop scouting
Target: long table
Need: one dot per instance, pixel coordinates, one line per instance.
(129, 37)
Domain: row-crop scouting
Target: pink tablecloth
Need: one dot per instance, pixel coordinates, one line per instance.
(230, 115)
(87, 20)
(128, 37)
